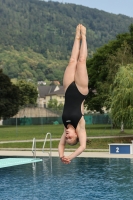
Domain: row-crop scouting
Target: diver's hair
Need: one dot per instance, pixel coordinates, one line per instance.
(75, 142)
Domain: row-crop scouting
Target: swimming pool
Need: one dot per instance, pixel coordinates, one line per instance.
(83, 179)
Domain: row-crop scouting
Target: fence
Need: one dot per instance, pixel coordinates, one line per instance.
(90, 119)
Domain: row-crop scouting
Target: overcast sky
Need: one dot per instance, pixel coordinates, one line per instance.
(124, 7)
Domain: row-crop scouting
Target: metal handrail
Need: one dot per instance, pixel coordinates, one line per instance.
(50, 153)
(34, 147)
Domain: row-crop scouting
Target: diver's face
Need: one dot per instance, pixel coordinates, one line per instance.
(71, 135)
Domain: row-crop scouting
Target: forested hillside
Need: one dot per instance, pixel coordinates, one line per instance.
(36, 36)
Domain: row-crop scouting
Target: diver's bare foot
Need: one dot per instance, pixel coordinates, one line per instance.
(78, 34)
(83, 31)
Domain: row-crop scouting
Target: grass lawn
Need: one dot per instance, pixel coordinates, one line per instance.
(39, 132)
(29, 132)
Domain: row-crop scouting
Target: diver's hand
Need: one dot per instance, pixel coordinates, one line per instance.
(66, 160)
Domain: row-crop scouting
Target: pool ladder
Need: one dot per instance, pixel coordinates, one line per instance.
(34, 145)
(50, 153)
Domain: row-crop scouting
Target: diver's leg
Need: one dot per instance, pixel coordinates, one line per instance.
(81, 75)
(71, 68)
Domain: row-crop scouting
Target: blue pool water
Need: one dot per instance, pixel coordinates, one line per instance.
(83, 179)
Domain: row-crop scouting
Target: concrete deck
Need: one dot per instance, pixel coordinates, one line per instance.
(55, 154)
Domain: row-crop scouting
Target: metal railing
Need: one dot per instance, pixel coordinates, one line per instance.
(34, 147)
(50, 153)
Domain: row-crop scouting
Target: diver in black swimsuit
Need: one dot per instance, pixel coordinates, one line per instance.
(72, 107)
(75, 83)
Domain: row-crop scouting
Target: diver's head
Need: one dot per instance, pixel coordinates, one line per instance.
(71, 136)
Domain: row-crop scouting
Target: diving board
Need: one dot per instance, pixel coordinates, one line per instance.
(8, 162)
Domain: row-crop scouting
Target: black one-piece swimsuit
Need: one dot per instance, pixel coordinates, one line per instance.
(72, 107)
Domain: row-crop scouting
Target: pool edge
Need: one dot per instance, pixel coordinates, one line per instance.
(55, 154)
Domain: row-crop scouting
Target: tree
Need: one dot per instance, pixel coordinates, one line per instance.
(121, 97)
(9, 97)
(131, 29)
(28, 93)
(53, 103)
(123, 57)
(60, 106)
(103, 67)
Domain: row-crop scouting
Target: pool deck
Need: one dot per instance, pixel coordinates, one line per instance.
(25, 153)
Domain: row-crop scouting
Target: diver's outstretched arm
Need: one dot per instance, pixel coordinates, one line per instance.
(81, 131)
